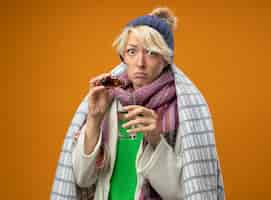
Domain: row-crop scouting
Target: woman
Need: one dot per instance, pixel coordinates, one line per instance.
(143, 140)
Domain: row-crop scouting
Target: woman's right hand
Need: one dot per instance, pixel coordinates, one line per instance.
(98, 100)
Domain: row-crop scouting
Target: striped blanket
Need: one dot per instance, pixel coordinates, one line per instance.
(201, 177)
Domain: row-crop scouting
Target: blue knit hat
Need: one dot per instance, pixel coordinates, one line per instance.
(158, 24)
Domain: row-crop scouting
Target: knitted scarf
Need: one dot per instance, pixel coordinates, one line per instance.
(201, 176)
(160, 95)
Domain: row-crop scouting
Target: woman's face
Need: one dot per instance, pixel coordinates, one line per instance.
(143, 66)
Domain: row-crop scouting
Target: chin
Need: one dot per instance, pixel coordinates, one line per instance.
(140, 84)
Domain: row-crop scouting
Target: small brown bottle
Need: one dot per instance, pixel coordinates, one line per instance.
(110, 81)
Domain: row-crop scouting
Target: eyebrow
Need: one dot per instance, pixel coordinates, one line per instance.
(132, 45)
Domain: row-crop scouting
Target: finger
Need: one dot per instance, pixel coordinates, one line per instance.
(134, 113)
(130, 107)
(97, 79)
(96, 89)
(143, 129)
(137, 121)
(140, 111)
(135, 107)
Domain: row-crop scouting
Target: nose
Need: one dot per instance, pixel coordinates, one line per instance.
(140, 60)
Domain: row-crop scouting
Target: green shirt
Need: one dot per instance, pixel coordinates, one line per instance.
(124, 179)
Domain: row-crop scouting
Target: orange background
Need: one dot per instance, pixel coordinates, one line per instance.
(51, 49)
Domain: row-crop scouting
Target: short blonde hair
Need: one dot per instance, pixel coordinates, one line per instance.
(151, 38)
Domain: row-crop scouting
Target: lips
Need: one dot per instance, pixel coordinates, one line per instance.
(140, 75)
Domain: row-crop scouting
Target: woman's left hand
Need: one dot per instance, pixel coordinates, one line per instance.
(145, 120)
